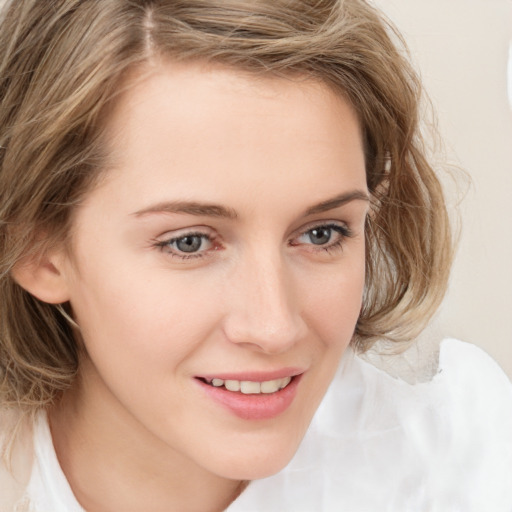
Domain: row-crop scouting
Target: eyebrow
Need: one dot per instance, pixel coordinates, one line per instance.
(216, 210)
(337, 201)
(189, 208)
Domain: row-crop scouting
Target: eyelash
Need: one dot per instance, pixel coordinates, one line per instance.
(164, 244)
(343, 231)
(330, 247)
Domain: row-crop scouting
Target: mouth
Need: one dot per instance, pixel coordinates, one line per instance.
(253, 396)
(249, 387)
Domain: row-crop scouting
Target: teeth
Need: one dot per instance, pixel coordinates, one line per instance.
(248, 387)
(270, 386)
(232, 385)
(285, 382)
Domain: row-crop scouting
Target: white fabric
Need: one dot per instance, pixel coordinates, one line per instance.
(376, 444)
(48, 489)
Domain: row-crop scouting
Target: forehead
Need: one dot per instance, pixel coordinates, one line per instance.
(188, 126)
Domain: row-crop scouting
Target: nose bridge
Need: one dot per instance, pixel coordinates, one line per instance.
(263, 310)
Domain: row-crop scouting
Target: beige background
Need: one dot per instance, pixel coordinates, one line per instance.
(463, 51)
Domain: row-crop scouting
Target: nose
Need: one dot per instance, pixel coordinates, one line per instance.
(263, 311)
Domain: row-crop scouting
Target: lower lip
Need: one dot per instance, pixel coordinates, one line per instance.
(261, 406)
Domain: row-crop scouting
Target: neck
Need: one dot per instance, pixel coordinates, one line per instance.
(113, 463)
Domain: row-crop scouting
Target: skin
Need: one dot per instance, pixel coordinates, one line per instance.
(136, 432)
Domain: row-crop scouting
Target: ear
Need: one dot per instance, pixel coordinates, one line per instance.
(43, 277)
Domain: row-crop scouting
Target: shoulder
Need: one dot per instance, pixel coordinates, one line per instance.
(453, 430)
(459, 354)
(443, 444)
(16, 459)
(477, 400)
(450, 367)
(467, 392)
(471, 376)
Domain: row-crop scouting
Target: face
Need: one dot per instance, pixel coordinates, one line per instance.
(217, 271)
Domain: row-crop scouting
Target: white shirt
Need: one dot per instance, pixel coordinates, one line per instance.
(376, 444)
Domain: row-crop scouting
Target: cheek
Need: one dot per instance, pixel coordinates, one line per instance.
(333, 301)
(151, 317)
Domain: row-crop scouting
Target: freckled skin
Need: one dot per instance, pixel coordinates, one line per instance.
(262, 292)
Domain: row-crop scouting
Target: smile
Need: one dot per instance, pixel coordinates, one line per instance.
(248, 387)
(257, 397)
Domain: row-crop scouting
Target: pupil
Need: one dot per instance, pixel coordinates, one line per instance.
(320, 236)
(189, 243)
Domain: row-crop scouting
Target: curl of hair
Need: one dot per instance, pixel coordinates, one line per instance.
(62, 63)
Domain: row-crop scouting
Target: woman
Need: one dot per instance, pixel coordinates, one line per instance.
(206, 209)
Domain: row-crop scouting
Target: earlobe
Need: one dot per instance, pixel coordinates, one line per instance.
(43, 278)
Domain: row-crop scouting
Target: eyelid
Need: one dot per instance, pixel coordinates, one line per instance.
(332, 246)
(163, 242)
(334, 224)
(181, 232)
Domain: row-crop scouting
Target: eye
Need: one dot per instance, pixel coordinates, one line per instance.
(189, 245)
(319, 236)
(325, 236)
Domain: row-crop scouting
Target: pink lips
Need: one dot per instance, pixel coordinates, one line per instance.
(254, 406)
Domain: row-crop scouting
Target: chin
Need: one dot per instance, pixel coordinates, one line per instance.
(256, 471)
(262, 462)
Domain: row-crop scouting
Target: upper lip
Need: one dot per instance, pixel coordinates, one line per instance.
(255, 376)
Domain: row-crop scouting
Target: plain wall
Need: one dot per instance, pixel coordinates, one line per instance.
(462, 50)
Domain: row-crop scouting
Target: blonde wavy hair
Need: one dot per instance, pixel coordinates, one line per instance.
(62, 65)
